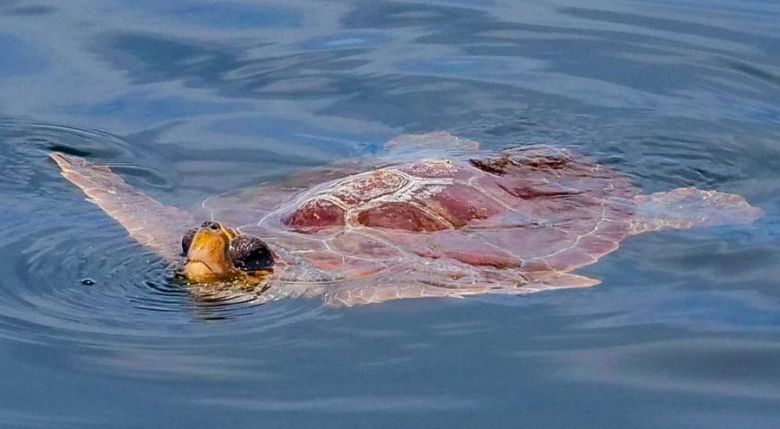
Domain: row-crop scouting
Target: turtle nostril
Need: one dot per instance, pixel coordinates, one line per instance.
(214, 226)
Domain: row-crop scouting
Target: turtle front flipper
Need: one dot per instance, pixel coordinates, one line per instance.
(684, 208)
(147, 221)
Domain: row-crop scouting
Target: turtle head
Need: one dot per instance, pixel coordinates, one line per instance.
(216, 252)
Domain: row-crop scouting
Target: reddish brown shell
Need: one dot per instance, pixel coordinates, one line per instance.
(534, 209)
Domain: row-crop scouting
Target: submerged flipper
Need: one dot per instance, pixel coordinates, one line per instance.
(152, 224)
(683, 208)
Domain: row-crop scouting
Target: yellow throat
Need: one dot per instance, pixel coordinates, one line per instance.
(207, 257)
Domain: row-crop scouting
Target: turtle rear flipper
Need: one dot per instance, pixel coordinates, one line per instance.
(147, 221)
(684, 208)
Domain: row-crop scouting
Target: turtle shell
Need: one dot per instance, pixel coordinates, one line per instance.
(526, 211)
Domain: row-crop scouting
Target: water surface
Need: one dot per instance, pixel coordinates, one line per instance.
(187, 100)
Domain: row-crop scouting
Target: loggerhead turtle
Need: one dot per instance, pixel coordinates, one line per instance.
(514, 222)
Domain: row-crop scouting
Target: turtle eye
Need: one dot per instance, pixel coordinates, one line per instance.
(250, 254)
(213, 226)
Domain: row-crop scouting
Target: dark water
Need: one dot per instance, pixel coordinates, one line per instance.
(191, 99)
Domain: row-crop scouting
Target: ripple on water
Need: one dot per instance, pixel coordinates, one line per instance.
(52, 243)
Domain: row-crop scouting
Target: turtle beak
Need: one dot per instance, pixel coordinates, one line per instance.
(198, 271)
(207, 258)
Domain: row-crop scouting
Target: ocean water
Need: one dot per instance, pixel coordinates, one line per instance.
(190, 99)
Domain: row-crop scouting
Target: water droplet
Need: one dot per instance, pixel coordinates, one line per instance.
(88, 282)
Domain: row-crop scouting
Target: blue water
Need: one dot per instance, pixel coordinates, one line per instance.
(187, 100)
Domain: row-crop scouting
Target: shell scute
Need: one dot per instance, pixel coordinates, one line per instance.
(530, 188)
(471, 250)
(435, 168)
(459, 204)
(570, 258)
(527, 243)
(315, 214)
(364, 244)
(598, 245)
(401, 216)
(512, 161)
(366, 187)
(539, 157)
(344, 265)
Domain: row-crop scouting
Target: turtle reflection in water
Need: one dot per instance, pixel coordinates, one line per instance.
(435, 217)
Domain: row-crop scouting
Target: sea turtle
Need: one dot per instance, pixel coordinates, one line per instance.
(440, 218)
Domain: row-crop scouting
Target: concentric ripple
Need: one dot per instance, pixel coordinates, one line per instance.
(72, 274)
